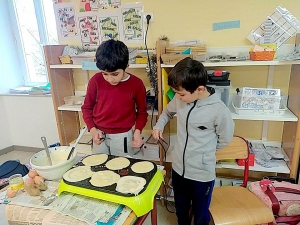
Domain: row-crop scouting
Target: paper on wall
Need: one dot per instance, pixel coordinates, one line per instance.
(65, 20)
(132, 21)
(110, 25)
(283, 26)
(89, 29)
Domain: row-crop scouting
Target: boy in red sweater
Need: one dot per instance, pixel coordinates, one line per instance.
(115, 102)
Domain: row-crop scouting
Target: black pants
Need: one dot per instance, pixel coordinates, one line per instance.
(189, 192)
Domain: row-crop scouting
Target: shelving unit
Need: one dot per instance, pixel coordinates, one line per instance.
(63, 84)
(290, 140)
(77, 108)
(243, 63)
(74, 66)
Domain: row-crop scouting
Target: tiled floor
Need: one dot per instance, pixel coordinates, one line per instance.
(164, 217)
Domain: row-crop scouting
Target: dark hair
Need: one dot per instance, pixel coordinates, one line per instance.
(112, 55)
(188, 74)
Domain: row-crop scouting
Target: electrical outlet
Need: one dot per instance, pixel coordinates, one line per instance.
(152, 17)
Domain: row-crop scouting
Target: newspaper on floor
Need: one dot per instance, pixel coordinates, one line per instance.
(87, 209)
(20, 215)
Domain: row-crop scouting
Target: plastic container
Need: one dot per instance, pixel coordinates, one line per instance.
(218, 75)
(236, 102)
(16, 182)
(74, 100)
(59, 154)
(222, 92)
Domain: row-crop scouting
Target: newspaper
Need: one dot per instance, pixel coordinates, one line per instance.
(20, 215)
(87, 209)
(42, 201)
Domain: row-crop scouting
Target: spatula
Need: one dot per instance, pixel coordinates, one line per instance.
(82, 131)
(46, 149)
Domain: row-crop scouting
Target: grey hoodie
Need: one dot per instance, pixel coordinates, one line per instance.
(210, 127)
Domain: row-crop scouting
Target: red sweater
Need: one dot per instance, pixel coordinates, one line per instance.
(115, 109)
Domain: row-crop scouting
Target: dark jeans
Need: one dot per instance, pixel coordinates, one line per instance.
(188, 191)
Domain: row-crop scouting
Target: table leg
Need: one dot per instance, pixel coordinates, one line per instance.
(154, 213)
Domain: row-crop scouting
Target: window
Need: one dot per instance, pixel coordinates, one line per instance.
(34, 26)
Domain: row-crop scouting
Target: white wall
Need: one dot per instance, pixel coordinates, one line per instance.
(29, 118)
(5, 137)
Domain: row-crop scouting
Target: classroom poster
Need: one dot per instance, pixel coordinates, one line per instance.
(281, 25)
(110, 25)
(89, 29)
(132, 22)
(65, 20)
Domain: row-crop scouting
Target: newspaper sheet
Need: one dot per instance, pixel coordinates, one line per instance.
(42, 201)
(20, 215)
(87, 209)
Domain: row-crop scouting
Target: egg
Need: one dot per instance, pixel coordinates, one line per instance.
(32, 173)
(11, 193)
(29, 181)
(38, 179)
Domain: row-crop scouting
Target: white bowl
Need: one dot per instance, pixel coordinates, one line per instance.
(59, 155)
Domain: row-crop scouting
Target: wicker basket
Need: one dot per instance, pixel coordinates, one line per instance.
(66, 59)
(262, 56)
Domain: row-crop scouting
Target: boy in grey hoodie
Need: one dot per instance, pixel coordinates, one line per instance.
(204, 125)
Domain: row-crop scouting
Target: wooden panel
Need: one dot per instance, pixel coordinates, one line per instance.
(62, 85)
(291, 131)
(238, 206)
(237, 149)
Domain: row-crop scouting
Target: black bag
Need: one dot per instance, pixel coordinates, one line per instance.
(12, 167)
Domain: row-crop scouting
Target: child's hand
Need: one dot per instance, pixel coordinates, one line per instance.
(137, 139)
(157, 134)
(97, 136)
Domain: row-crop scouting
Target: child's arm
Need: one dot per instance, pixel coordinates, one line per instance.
(89, 103)
(141, 116)
(224, 129)
(164, 118)
(141, 108)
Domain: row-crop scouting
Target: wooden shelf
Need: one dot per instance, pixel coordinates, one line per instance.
(243, 63)
(66, 66)
(73, 66)
(77, 108)
(282, 167)
(287, 116)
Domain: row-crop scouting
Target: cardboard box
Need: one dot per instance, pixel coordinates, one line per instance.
(171, 59)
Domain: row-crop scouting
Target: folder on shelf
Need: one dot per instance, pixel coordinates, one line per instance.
(165, 87)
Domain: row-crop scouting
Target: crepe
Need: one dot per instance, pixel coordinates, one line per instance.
(78, 174)
(94, 160)
(142, 167)
(130, 184)
(104, 178)
(117, 163)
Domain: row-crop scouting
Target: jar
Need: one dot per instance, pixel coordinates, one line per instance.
(16, 182)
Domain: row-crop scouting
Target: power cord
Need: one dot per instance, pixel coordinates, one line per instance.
(148, 18)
